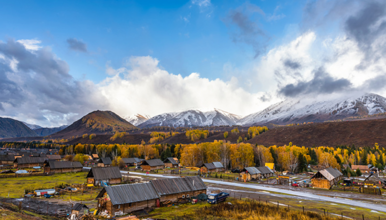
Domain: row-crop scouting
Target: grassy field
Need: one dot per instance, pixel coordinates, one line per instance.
(233, 209)
(15, 187)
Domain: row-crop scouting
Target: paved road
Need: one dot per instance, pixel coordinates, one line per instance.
(372, 206)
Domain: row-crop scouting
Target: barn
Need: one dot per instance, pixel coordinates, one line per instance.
(171, 162)
(175, 188)
(126, 198)
(104, 162)
(326, 178)
(154, 164)
(29, 162)
(62, 167)
(109, 175)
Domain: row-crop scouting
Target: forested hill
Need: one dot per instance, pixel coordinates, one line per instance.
(97, 122)
(358, 133)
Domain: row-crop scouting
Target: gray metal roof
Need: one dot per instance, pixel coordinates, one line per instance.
(178, 185)
(209, 166)
(153, 163)
(105, 173)
(7, 158)
(329, 173)
(64, 164)
(129, 193)
(54, 157)
(252, 170)
(171, 160)
(264, 170)
(105, 161)
(29, 160)
(218, 164)
(131, 160)
(79, 207)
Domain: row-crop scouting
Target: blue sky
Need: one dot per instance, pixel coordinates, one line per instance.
(60, 60)
(184, 36)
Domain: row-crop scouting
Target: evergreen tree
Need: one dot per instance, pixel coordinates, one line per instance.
(364, 158)
(302, 163)
(358, 172)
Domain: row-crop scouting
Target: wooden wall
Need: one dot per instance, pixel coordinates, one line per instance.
(321, 183)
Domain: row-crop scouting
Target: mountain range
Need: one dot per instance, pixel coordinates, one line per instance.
(286, 112)
(298, 110)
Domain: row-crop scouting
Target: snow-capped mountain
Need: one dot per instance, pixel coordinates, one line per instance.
(314, 110)
(192, 118)
(137, 119)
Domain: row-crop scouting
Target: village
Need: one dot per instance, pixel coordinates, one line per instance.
(53, 186)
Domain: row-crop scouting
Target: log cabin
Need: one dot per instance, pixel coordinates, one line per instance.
(175, 188)
(29, 162)
(104, 162)
(62, 166)
(109, 175)
(265, 172)
(124, 199)
(171, 162)
(154, 164)
(78, 209)
(54, 157)
(326, 178)
(250, 173)
(362, 168)
(212, 167)
(7, 159)
(132, 161)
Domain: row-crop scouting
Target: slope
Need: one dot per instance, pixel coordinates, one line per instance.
(12, 128)
(47, 131)
(358, 133)
(97, 122)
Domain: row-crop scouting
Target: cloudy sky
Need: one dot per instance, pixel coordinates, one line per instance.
(60, 60)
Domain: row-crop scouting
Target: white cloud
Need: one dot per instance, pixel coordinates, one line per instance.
(148, 89)
(31, 44)
(201, 3)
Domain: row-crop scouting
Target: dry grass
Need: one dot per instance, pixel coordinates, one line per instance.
(250, 210)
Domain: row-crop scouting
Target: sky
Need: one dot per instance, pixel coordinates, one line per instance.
(60, 60)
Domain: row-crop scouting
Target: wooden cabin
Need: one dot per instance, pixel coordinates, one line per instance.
(7, 159)
(104, 162)
(175, 188)
(132, 161)
(171, 162)
(62, 166)
(109, 175)
(212, 167)
(95, 156)
(326, 178)
(362, 168)
(78, 209)
(29, 162)
(154, 164)
(250, 173)
(54, 157)
(265, 172)
(126, 198)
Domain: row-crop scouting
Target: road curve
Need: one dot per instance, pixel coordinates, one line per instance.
(361, 204)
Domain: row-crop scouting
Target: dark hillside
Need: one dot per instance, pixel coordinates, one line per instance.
(10, 128)
(358, 133)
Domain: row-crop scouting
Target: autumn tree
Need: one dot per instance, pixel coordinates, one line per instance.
(225, 134)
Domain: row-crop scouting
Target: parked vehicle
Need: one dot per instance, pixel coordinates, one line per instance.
(235, 171)
(47, 196)
(216, 198)
(295, 184)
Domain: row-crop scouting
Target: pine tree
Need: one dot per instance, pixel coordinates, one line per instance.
(302, 163)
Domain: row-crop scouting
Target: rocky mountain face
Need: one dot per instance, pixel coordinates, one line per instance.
(48, 131)
(314, 110)
(192, 118)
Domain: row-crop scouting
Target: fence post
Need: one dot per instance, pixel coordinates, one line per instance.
(363, 216)
(303, 209)
(277, 204)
